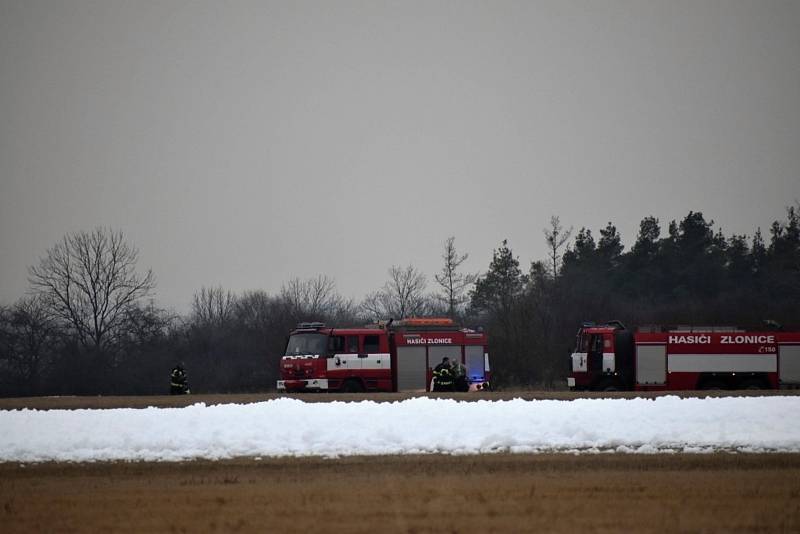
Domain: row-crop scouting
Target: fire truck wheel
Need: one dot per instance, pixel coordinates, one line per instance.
(609, 386)
(713, 385)
(753, 384)
(353, 386)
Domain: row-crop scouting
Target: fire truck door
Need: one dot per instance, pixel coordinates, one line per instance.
(411, 369)
(595, 357)
(651, 364)
(344, 362)
(474, 362)
(342, 359)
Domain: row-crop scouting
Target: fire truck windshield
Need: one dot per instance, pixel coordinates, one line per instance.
(309, 343)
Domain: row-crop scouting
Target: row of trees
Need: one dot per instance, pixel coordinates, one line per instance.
(693, 275)
(89, 325)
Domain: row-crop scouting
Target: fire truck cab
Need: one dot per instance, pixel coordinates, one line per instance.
(610, 357)
(602, 358)
(392, 356)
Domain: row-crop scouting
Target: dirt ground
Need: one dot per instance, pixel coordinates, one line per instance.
(405, 494)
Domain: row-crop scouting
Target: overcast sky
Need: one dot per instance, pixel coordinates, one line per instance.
(244, 143)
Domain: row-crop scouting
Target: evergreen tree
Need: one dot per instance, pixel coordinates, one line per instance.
(758, 253)
(642, 271)
(496, 291)
(582, 251)
(497, 298)
(610, 245)
(739, 262)
(783, 261)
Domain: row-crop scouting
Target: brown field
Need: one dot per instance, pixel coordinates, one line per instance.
(488, 493)
(493, 493)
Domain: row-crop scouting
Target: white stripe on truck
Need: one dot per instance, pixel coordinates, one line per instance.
(722, 363)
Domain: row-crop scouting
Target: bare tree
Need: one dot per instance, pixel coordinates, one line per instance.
(89, 282)
(376, 305)
(453, 283)
(148, 322)
(256, 310)
(313, 298)
(27, 337)
(403, 295)
(213, 306)
(555, 236)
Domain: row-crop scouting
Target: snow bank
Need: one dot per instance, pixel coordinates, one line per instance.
(288, 427)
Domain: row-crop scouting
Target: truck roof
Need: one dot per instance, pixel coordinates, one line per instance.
(330, 330)
(407, 327)
(375, 331)
(599, 329)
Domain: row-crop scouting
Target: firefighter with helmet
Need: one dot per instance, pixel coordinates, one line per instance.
(178, 383)
(459, 372)
(443, 376)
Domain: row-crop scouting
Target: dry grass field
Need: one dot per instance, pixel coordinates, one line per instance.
(494, 493)
(404, 494)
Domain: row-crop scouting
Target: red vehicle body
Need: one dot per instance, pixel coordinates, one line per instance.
(610, 357)
(392, 357)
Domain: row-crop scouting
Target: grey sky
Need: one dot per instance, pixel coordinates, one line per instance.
(244, 143)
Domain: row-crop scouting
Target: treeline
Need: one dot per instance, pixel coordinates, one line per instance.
(694, 275)
(89, 325)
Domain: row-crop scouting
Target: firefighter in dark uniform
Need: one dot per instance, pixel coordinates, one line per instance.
(443, 376)
(460, 382)
(178, 383)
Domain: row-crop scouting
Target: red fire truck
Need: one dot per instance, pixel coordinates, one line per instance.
(392, 356)
(610, 357)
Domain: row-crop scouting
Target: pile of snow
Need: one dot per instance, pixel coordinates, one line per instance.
(288, 427)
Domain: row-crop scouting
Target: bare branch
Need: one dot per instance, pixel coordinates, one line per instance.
(312, 299)
(556, 236)
(89, 282)
(403, 295)
(453, 283)
(213, 306)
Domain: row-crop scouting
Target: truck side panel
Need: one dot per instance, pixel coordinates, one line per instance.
(789, 359)
(698, 359)
(651, 364)
(411, 369)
